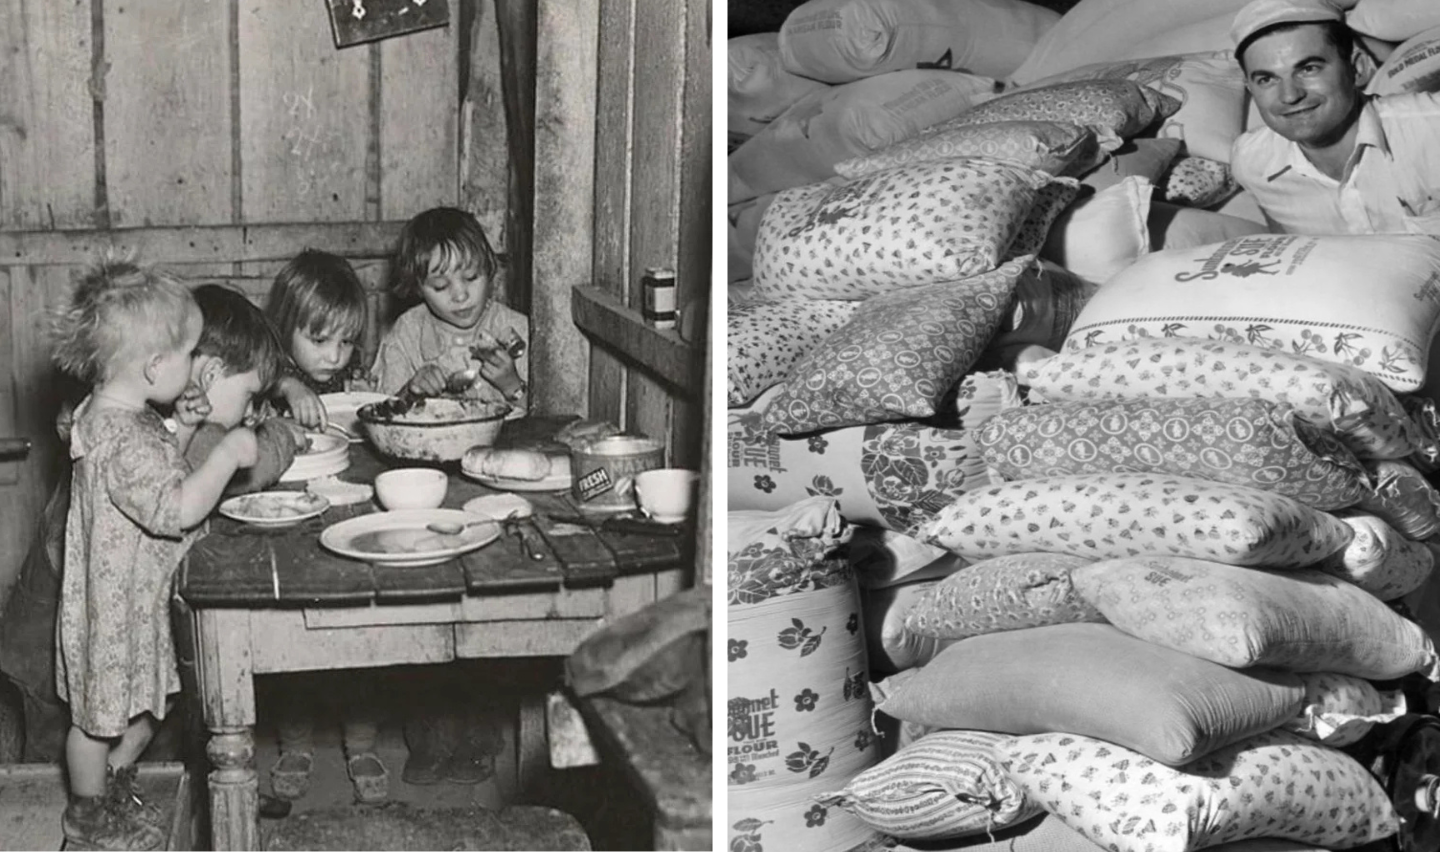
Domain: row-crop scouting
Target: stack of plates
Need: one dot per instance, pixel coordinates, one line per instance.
(329, 454)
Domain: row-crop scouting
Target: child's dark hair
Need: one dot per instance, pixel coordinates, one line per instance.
(117, 309)
(316, 292)
(454, 233)
(237, 332)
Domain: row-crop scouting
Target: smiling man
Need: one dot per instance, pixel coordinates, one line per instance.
(1331, 159)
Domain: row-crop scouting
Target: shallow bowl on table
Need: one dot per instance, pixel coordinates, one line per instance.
(406, 539)
(433, 428)
(326, 454)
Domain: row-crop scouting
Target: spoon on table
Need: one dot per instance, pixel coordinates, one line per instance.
(453, 528)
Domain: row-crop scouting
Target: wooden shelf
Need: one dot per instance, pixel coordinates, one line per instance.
(623, 332)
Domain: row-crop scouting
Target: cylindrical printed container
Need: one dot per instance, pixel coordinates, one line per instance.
(659, 291)
(605, 470)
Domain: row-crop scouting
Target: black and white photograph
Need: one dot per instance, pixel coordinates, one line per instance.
(355, 488)
(1081, 435)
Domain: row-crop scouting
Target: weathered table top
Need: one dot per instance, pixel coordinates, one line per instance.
(238, 565)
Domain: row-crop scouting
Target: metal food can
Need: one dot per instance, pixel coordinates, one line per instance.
(605, 470)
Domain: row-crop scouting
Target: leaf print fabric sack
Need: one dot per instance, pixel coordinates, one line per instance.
(944, 785)
(1004, 593)
(1275, 784)
(904, 227)
(1362, 412)
(1380, 560)
(891, 475)
(1370, 301)
(1303, 621)
(763, 341)
(1249, 442)
(1340, 709)
(839, 40)
(1105, 516)
(897, 356)
(799, 713)
(1094, 680)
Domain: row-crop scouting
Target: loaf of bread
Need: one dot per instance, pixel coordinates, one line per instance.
(529, 465)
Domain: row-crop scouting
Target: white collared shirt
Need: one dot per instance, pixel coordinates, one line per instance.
(1391, 184)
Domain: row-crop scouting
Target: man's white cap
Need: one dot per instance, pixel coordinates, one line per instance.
(1260, 14)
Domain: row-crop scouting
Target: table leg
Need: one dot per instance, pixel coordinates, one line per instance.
(532, 749)
(227, 691)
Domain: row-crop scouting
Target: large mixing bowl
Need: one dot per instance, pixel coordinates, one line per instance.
(431, 429)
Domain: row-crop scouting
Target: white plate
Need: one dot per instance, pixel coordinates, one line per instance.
(500, 506)
(274, 508)
(560, 482)
(341, 408)
(401, 538)
(329, 454)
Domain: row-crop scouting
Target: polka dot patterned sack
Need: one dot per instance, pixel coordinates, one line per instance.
(1380, 560)
(1247, 442)
(897, 356)
(1340, 709)
(899, 228)
(1275, 784)
(1105, 516)
(1304, 621)
(1050, 146)
(1197, 182)
(1116, 109)
(1004, 593)
(799, 712)
(891, 475)
(1091, 679)
(944, 785)
(1051, 202)
(764, 341)
(1369, 301)
(1363, 413)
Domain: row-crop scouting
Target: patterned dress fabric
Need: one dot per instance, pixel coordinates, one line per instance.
(1302, 621)
(123, 544)
(1275, 784)
(764, 341)
(903, 227)
(1106, 516)
(1248, 442)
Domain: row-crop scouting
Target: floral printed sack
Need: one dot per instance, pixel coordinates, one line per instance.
(1248, 442)
(1341, 709)
(903, 227)
(1092, 679)
(892, 475)
(1303, 621)
(1115, 109)
(1197, 182)
(897, 356)
(944, 785)
(1004, 593)
(1370, 301)
(1380, 560)
(1105, 516)
(798, 709)
(1276, 784)
(1050, 146)
(889, 646)
(764, 341)
(1362, 412)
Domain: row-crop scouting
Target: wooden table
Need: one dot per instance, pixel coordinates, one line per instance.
(267, 600)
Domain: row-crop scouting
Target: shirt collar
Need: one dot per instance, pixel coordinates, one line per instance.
(1370, 133)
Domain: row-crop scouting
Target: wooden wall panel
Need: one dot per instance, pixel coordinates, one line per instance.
(47, 129)
(305, 120)
(484, 158)
(167, 112)
(419, 106)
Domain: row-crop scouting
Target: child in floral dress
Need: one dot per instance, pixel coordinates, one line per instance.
(131, 334)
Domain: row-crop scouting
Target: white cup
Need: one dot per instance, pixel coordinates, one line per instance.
(667, 494)
(411, 488)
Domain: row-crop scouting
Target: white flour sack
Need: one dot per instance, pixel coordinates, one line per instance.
(759, 87)
(841, 40)
(1413, 67)
(799, 710)
(1371, 301)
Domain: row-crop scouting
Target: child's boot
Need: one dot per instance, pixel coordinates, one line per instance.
(123, 791)
(430, 739)
(473, 759)
(92, 823)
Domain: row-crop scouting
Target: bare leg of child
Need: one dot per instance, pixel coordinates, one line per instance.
(92, 820)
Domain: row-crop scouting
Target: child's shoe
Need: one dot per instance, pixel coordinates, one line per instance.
(93, 823)
(123, 792)
(430, 740)
(290, 776)
(369, 776)
(470, 763)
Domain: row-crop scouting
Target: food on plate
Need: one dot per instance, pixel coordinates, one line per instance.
(529, 465)
(419, 540)
(578, 433)
(272, 506)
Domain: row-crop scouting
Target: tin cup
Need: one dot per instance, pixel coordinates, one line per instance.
(605, 470)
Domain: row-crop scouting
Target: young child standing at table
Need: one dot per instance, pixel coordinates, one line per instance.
(131, 334)
(445, 260)
(317, 306)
